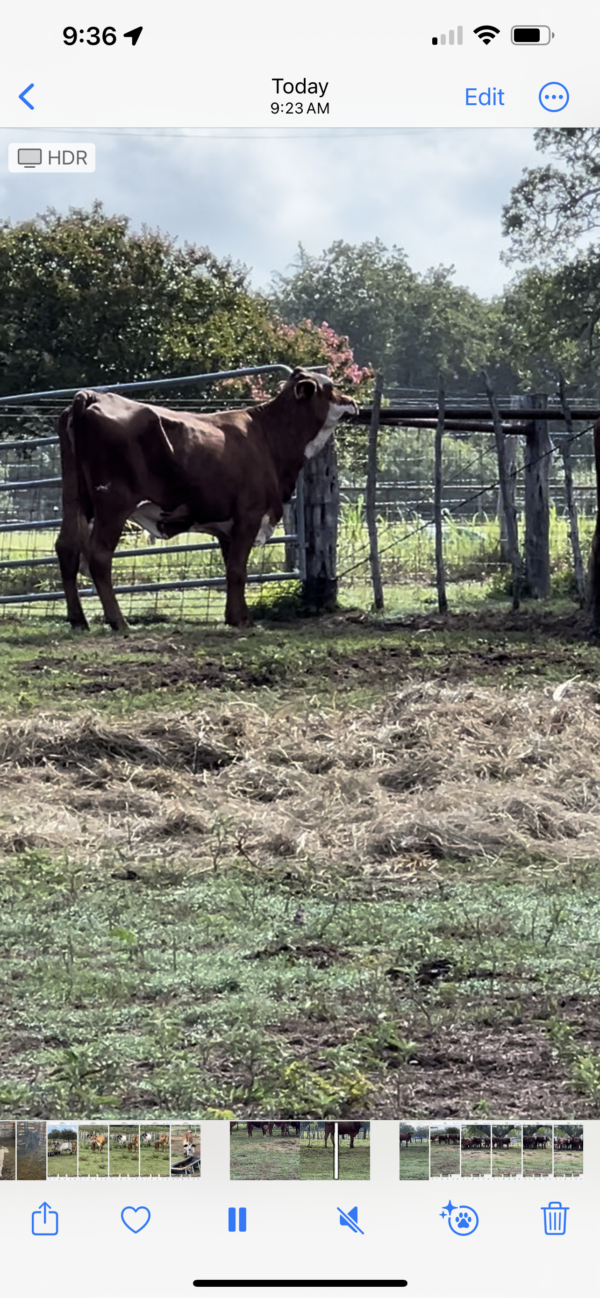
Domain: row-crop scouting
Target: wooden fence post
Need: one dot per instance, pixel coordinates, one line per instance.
(510, 513)
(321, 512)
(511, 446)
(440, 575)
(370, 495)
(567, 459)
(538, 459)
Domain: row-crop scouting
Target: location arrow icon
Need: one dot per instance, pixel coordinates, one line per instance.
(134, 34)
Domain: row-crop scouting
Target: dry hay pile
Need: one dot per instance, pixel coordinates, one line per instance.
(432, 772)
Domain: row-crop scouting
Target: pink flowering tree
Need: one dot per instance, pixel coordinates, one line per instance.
(304, 344)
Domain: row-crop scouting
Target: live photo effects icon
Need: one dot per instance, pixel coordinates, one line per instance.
(461, 1218)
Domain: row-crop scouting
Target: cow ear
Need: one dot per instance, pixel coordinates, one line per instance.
(305, 389)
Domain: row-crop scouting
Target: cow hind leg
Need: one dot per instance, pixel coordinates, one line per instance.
(103, 543)
(68, 549)
(236, 609)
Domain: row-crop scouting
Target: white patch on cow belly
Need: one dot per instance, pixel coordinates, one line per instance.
(150, 516)
(265, 531)
(147, 515)
(334, 414)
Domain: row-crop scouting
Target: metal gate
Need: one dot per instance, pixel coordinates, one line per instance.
(30, 485)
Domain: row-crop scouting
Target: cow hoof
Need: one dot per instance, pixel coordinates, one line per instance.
(240, 623)
(79, 626)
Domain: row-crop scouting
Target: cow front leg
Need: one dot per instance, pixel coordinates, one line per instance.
(103, 543)
(68, 549)
(236, 608)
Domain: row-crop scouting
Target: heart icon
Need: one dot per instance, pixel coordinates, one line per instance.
(130, 1219)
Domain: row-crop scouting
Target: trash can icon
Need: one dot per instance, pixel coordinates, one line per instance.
(555, 1219)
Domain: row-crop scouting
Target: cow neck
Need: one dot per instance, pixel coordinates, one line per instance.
(289, 436)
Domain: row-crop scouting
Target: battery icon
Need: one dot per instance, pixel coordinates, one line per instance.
(531, 36)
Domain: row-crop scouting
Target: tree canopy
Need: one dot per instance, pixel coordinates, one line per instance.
(554, 205)
(410, 325)
(551, 312)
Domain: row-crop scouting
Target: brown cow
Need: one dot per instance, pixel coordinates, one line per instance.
(262, 1126)
(350, 1129)
(228, 474)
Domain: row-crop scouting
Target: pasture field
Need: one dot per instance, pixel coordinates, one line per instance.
(316, 1162)
(310, 868)
(414, 1161)
(475, 1162)
(537, 1162)
(568, 1162)
(507, 1162)
(259, 1158)
(444, 1160)
(354, 1164)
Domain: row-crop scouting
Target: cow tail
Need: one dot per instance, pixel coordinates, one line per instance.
(75, 436)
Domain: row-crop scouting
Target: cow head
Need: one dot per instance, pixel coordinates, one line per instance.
(326, 403)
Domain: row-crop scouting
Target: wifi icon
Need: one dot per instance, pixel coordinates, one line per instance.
(486, 33)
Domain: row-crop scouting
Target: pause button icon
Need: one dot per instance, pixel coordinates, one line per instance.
(242, 1219)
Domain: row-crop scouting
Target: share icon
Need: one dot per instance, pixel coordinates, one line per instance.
(350, 1219)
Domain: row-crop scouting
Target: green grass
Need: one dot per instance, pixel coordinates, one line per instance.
(414, 1161)
(444, 1160)
(475, 1162)
(316, 1161)
(568, 1162)
(163, 994)
(263, 1158)
(354, 1164)
(507, 1162)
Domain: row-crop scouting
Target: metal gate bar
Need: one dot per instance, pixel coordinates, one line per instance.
(149, 587)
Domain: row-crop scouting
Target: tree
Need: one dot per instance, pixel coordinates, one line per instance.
(551, 312)
(554, 205)
(409, 325)
(85, 300)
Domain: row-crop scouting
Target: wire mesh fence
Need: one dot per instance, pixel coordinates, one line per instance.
(473, 532)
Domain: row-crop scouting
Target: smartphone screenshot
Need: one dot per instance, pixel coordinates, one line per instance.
(300, 649)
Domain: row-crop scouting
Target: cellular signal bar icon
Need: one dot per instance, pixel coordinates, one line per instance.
(449, 39)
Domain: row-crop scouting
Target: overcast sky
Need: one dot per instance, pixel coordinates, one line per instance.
(436, 193)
